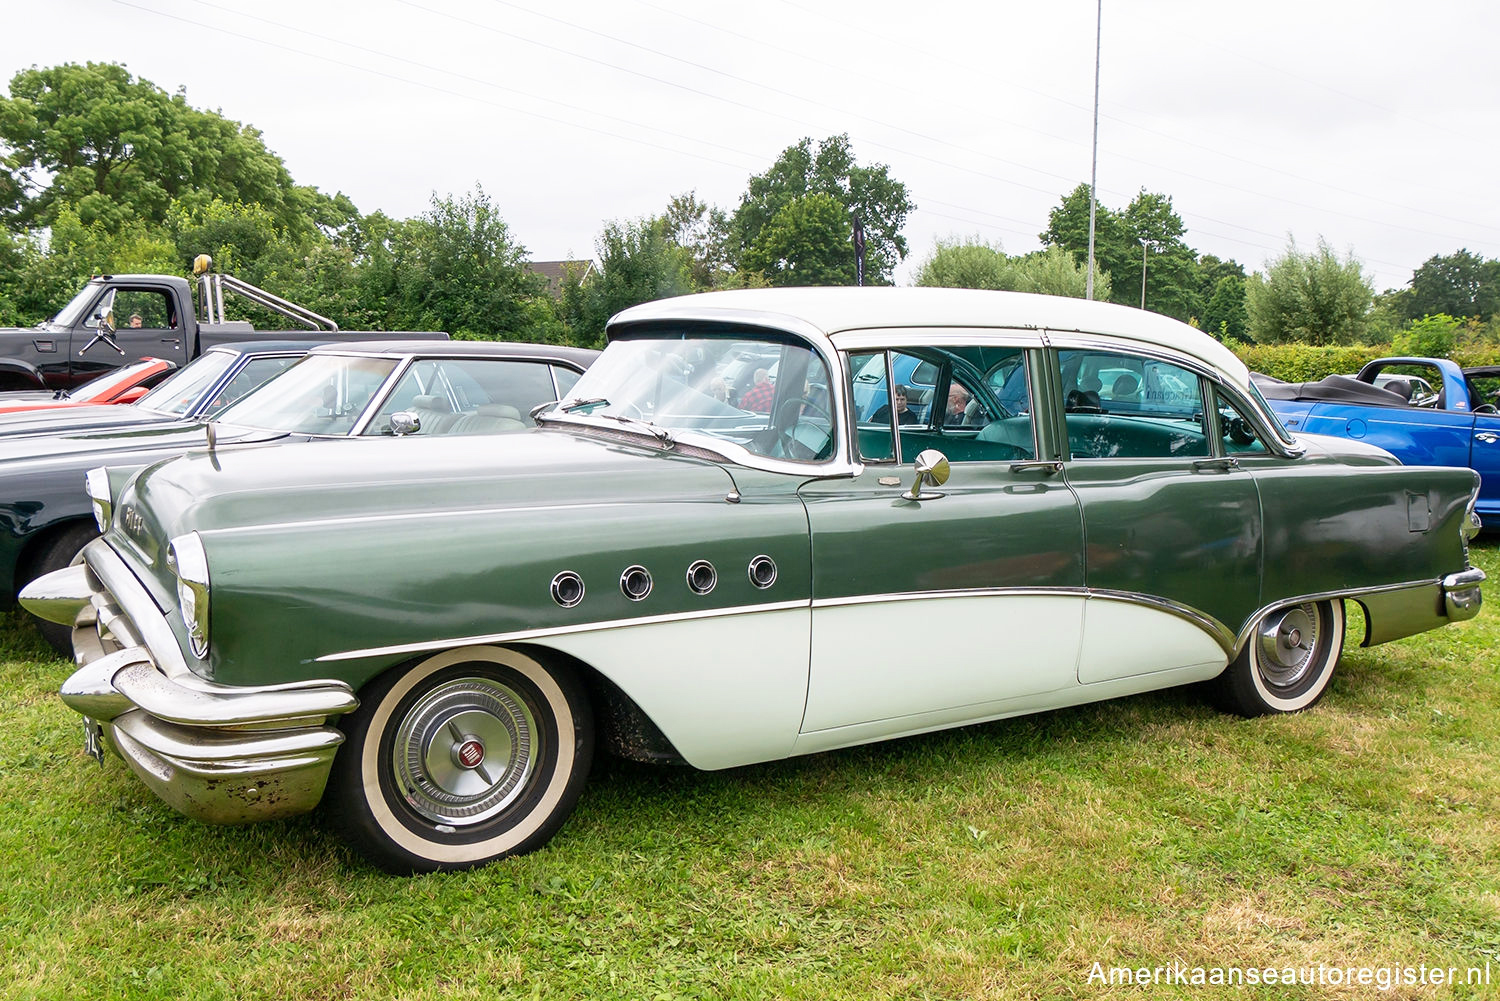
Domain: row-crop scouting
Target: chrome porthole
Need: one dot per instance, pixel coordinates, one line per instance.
(567, 589)
(635, 582)
(702, 577)
(762, 572)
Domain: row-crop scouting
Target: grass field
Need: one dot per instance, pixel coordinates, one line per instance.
(995, 861)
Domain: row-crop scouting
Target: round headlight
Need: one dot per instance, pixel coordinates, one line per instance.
(189, 562)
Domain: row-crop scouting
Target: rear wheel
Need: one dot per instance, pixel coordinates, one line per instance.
(470, 756)
(1288, 661)
(55, 553)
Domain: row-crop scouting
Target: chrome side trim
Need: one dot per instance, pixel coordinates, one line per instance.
(524, 635)
(1222, 634)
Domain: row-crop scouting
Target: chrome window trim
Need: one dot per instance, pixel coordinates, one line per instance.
(843, 461)
(1218, 378)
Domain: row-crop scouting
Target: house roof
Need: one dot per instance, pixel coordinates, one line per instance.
(556, 271)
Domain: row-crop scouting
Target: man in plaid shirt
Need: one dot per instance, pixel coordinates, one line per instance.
(760, 396)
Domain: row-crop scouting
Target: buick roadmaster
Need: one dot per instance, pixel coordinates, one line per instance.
(432, 637)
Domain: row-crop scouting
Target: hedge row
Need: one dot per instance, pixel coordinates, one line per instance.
(1306, 363)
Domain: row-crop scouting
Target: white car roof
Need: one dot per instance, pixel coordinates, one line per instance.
(831, 311)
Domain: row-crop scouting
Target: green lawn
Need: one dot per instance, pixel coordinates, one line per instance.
(1001, 860)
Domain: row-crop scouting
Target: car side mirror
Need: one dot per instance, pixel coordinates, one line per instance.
(931, 467)
(404, 422)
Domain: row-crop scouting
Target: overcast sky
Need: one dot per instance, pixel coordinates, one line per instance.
(1370, 125)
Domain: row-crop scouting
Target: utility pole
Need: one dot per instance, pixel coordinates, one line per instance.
(1144, 247)
(1088, 281)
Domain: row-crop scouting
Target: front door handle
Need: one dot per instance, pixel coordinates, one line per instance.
(1488, 437)
(1223, 464)
(1045, 466)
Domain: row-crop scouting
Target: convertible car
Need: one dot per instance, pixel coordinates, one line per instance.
(1424, 411)
(1095, 502)
(126, 384)
(353, 389)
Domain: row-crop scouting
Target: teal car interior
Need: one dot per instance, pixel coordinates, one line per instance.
(433, 638)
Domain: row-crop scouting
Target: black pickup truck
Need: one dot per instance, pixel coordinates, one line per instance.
(117, 319)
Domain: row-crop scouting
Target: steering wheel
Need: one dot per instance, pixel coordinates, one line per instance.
(790, 444)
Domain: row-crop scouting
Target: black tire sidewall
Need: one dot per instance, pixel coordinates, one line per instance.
(369, 810)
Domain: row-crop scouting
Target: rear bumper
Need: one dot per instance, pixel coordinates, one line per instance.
(1462, 597)
(216, 753)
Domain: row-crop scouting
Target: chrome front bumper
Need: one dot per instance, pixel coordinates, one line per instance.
(217, 753)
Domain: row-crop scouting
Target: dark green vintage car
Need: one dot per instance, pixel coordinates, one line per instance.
(690, 562)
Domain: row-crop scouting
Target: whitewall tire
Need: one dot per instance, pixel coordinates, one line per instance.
(467, 757)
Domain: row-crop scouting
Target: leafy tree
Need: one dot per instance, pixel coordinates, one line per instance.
(456, 268)
(638, 262)
(1314, 297)
(807, 242)
(117, 149)
(1224, 315)
(1430, 337)
(870, 194)
(974, 264)
(964, 264)
(1458, 284)
(1115, 251)
(1054, 272)
(1170, 265)
(706, 233)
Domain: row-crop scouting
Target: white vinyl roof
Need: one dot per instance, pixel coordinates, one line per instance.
(831, 311)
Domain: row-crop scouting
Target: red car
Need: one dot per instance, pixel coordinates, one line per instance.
(125, 384)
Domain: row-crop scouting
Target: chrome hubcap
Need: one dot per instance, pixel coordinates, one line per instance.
(464, 752)
(1288, 639)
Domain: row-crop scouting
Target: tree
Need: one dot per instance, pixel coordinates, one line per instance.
(1170, 265)
(1115, 251)
(974, 264)
(1314, 298)
(1459, 284)
(706, 233)
(456, 268)
(115, 149)
(807, 242)
(870, 194)
(638, 262)
(964, 264)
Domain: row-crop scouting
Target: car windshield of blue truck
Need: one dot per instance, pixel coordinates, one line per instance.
(768, 396)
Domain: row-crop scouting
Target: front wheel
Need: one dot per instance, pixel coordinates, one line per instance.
(471, 756)
(1287, 663)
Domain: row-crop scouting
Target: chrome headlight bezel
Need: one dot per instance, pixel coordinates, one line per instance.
(96, 480)
(187, 559)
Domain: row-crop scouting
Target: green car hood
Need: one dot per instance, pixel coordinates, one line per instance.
(244, 487)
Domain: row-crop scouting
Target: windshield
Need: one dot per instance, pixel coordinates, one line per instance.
(321, 394)
(107, 383)
(178, 394)
(69, 314)
(769, 396)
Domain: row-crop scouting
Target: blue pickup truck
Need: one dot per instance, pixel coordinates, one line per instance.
(1424, 411)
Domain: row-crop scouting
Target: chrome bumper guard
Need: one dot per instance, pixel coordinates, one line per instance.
(217, 753)
(1461, 595)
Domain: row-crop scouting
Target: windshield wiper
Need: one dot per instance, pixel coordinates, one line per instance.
(661, 434)
(593, 401)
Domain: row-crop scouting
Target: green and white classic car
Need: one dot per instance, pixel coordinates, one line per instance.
(698, 552)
